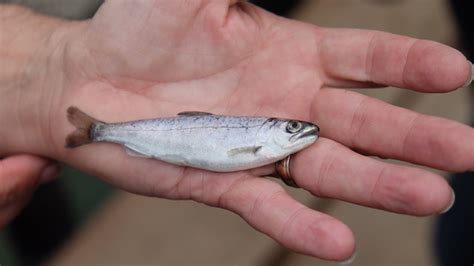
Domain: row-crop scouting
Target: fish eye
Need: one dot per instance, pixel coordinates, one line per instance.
(293, 126)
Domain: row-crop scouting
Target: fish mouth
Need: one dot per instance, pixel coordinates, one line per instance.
(311, 131)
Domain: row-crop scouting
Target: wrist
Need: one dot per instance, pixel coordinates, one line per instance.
(32, 49)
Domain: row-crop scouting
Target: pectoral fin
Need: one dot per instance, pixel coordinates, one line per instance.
(134, 153)
(243, 150)
(194, 113)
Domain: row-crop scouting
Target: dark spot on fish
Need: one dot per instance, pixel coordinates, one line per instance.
(272, 120)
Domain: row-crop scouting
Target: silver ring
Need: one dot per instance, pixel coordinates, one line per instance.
(282, 171)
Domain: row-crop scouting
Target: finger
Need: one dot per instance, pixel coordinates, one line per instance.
(12, 209)
(349, 55)
(381, 129)
(268, 208)
(20, 174)
(329, 169)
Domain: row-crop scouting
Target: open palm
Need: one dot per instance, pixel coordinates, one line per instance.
(147, 59)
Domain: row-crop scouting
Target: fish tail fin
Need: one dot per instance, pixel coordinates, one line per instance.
(83, 123)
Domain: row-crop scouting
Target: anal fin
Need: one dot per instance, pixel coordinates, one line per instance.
(134, 153)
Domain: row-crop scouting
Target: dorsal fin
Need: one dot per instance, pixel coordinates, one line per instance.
(194, 113)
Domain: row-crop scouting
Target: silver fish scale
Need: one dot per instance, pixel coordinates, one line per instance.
(185, 122)
(200, 141)
(211, 142)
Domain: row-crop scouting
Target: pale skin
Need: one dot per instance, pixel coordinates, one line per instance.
(147, 59)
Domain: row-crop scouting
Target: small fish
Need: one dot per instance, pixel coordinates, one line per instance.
(200, 140)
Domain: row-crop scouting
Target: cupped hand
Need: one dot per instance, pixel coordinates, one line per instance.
(147, 59)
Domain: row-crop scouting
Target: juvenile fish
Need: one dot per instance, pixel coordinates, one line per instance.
(201, 140)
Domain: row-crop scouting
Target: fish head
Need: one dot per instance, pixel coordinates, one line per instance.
(291, 135)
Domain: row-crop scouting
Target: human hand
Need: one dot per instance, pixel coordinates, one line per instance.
(144, 59)
(20, 175)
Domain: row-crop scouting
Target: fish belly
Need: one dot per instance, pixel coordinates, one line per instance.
(207, 149)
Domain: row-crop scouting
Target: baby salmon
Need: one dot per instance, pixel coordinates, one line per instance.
(201, 140)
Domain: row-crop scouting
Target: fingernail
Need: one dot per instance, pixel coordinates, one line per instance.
(350, 260)
(470, 78)
(453, 199)
(50, 172)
